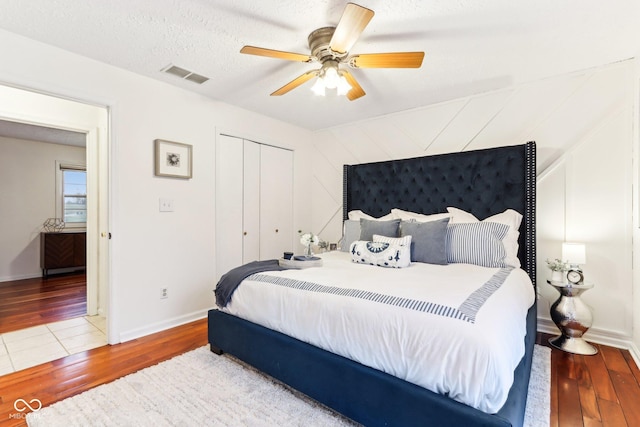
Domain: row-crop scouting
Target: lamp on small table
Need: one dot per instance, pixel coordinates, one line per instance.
(575, 254)
(570, 314)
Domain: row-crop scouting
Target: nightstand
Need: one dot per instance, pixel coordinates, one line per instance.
(573, 317)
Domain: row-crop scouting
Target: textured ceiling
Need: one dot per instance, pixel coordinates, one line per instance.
(40, 133)
(471, 46)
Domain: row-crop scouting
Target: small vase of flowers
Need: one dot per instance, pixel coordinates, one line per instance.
(308, 240)
(557, 267)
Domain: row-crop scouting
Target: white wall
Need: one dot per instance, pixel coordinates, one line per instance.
(636, 213)
(27, 185)
(151, 250)
(583, 124)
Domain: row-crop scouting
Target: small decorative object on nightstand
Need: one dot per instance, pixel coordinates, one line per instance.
(570, 314)
(558, 269)
(308, 240)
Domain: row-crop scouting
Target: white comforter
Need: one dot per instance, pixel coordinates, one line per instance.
(466, 350)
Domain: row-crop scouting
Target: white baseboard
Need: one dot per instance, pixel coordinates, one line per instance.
(635, 353)
(21, 277)
(163, 325)
(598, 336)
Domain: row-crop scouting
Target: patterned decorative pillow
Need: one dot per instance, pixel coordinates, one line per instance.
(477, 243)
(382, 254)
(400, 241)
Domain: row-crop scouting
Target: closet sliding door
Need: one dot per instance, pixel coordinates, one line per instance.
(229, 203)
(254, 202)
(276, 201)
(251, 212)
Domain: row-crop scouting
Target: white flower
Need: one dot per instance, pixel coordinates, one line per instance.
(309, 238)
(557, 265)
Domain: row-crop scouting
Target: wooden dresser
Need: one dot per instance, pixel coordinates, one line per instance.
(66, 249)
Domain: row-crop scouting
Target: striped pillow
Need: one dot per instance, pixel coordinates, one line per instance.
(477, 243)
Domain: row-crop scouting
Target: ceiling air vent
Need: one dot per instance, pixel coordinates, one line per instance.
(185, 74)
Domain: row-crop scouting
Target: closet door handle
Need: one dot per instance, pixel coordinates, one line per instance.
(276, 230)
(244, 234)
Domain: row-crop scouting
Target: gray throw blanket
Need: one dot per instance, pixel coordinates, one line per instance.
(230, 281)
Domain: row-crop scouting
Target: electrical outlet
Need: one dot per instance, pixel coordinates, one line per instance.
(164, 293)
(166, 205)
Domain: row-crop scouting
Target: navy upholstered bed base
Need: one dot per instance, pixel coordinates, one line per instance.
(482, 182)
(364, 394)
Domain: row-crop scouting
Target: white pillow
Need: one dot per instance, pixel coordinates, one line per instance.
(382, 254)
(358, 214)
(509, 217)
(408, 216)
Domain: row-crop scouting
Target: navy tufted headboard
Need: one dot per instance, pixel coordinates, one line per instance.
(483, 182)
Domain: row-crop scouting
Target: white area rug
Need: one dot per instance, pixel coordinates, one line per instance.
(199, 388)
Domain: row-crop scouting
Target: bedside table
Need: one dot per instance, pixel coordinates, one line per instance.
(572, 316)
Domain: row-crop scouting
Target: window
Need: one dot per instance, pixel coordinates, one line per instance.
(72, 194)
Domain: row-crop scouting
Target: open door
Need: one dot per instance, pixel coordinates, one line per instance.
(32, 108)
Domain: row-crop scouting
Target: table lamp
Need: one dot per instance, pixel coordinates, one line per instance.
(575, 254)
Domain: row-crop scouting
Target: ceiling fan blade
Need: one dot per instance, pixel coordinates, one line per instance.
(388, 60)
(353, 21)
(295, 83)
(278, 54)
(356, 90)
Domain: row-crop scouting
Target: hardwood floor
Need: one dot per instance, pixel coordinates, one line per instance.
(600, 390)
(62, 378)
(32, 302)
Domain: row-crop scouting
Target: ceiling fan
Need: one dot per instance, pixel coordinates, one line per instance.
(330, 47)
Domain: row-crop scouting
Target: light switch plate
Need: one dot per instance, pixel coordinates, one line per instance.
(166, 205)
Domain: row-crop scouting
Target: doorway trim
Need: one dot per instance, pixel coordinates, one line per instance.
(31, 107)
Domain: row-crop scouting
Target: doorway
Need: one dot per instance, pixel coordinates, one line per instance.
(49, 114)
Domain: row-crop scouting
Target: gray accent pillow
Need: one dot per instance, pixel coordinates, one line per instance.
(384, 228)
(351, 233)
(428, 240)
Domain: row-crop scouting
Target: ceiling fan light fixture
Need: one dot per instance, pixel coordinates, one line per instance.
(330, 47)
(318, 87)
(343, 86)
(331, 78)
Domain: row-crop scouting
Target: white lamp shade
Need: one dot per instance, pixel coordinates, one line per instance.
(574, 253)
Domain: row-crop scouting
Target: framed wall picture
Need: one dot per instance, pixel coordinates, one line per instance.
(173, 159)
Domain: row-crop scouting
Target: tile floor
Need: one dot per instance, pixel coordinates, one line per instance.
(39, 344)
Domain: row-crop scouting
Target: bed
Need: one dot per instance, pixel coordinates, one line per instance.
(482, 183)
